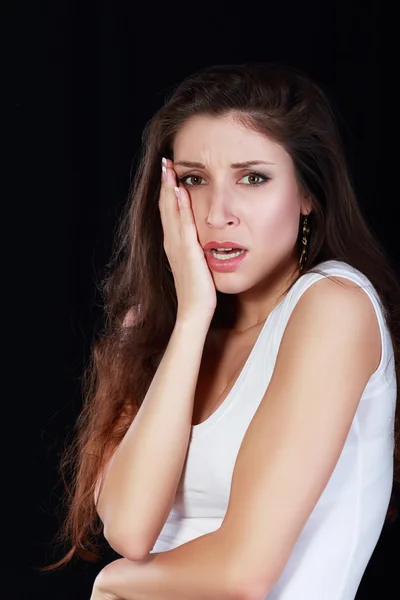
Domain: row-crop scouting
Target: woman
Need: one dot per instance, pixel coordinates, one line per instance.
(237, 439)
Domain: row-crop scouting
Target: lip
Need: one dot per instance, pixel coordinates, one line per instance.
(224, 266)
(224, 244)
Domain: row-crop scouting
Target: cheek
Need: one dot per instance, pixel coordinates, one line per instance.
(199, 214)
(279, 225)
(196, 211)
(197, 219)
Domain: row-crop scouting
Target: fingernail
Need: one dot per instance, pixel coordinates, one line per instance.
(164, 173)
(164, 161)
(178, 194)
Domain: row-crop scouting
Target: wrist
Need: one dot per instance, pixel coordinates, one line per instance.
(193, 324)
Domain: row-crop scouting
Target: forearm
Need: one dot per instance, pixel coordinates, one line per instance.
(141, 479)
(198, 570)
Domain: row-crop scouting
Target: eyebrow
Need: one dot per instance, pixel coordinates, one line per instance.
(238, 165)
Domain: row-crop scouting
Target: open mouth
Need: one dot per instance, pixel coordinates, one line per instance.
(226, 253)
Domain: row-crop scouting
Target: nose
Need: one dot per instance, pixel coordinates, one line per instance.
(220, 212)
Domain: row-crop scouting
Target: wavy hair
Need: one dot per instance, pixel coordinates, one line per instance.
(283, 104)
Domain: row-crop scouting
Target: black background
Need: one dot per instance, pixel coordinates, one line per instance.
(80, 80)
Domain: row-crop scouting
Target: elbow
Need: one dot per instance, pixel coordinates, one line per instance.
(247, 586)
(131, 547)
(245, 590)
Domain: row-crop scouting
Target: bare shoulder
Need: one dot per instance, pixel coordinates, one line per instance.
(342, 286)
(338, 289)
(339, 310)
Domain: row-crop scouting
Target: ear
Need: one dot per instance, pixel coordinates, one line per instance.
(306, 205)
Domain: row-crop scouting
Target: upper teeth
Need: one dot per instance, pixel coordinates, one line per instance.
(216, 249)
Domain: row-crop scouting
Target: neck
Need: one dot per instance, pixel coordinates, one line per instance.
(255, 305)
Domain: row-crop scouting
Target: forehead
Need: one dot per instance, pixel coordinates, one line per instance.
(218, 137)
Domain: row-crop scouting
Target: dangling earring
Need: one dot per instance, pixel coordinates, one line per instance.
(304, 241)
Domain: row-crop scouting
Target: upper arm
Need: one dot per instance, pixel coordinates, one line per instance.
(330, 348)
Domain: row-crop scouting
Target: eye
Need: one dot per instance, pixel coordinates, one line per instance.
(185, 178)
(252, 183)
(258, 176)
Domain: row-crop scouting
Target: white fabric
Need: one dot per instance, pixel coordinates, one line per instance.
(333, 550)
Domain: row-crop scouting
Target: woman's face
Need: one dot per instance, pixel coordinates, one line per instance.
(257, 205)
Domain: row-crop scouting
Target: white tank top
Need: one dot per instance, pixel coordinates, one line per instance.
(335, 545)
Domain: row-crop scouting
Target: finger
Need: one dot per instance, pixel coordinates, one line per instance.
(161, 200)
(166, 166)
(177, 203)
(170, 200)
(184, 206)
(165, 184)
(169, 205)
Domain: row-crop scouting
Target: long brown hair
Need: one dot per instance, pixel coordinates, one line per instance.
(140, 302)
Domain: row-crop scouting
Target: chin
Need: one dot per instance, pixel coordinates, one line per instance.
(230, 283)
